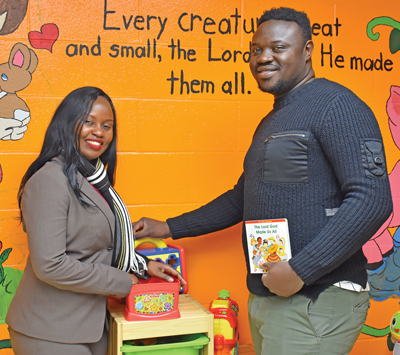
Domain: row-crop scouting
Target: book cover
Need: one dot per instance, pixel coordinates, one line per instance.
(267, 240)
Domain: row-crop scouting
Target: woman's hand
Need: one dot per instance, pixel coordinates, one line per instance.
(148, 227)
(164, 272)
(135, 280)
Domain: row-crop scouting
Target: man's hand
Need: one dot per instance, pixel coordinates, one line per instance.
(148, 227)
(281, 278)
(164, 272)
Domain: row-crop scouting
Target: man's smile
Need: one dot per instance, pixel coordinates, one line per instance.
(266, 71)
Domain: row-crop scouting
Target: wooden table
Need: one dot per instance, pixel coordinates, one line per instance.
(194, 319)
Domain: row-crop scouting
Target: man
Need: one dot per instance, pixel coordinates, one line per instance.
(316, 159)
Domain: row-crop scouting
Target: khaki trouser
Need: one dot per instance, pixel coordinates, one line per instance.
(297, 325)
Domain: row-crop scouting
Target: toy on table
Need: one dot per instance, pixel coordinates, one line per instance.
(153, 299)
(395, 332)
(226, 335)
(173, 255)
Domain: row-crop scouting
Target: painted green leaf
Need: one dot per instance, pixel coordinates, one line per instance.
(394, 40)
(390, 343)
(7, 290)
(5, 344)
(4, 255)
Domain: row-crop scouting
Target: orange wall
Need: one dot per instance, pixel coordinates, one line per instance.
(179, 151)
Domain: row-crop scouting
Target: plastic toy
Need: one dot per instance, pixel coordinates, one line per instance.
(226, 335)
(188, 344)
(395, 332)
(153, 299)
(173, 255)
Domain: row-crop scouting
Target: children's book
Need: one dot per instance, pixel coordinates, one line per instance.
(267, 240)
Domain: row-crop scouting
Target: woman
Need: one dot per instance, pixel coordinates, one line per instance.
(80, 236)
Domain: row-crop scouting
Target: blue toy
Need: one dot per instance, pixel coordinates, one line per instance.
(173, 255)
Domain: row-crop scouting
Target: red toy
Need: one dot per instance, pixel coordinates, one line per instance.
(226, 335)
(153, 299)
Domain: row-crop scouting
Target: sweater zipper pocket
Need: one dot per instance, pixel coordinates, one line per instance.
(286, 157)
(285, 135)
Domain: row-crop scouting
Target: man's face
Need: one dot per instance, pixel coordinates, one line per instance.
(280, 60)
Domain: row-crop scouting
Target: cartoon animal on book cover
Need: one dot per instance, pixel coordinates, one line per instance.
(15, 75)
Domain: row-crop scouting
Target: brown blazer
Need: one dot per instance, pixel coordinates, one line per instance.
(63, 293)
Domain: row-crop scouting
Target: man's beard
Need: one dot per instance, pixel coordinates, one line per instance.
(280, 88)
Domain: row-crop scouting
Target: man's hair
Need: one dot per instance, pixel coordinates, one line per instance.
(288, 14)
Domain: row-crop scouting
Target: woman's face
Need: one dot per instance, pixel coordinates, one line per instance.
(97, 130)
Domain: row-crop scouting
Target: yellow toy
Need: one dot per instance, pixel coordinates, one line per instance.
(226, 336)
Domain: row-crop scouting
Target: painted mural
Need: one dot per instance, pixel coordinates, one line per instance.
(394, 38)
(16, 75)
(12, 13)
(187, 108)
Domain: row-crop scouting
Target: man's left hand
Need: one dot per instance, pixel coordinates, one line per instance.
(281, 278)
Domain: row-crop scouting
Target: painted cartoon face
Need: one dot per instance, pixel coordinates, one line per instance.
(395, 326)
(97, 130)
(279, 59)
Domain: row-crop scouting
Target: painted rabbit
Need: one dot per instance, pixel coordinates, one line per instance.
(15, 75)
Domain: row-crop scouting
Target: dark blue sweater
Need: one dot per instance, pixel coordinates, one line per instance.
(316, 159)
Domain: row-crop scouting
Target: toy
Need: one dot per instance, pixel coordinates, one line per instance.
(153, 299)
(173, 255)
(395, 332)
(226, 335)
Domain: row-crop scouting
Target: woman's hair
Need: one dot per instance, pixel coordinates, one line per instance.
(62, 138)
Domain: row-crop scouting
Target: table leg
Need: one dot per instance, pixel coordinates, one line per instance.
(118, 339)
(209, 348)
